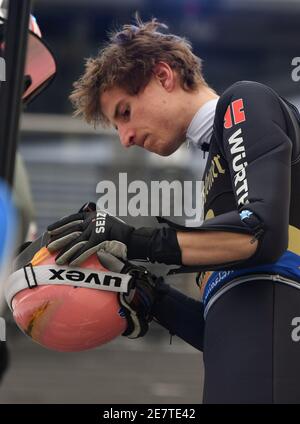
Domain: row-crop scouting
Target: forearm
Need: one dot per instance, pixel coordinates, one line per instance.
(190, 248)
(181, 315)
(214, 247)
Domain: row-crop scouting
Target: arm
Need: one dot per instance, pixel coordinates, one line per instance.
(253, 139)
(214, 247)
(181, 315)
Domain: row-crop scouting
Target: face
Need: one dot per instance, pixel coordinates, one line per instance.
(148, 120)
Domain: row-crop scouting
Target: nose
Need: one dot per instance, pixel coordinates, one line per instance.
(127, 136)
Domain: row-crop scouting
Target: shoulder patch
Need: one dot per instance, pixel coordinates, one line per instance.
(235, 114)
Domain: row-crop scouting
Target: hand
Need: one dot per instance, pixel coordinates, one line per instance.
(80, 235)
(138, 302)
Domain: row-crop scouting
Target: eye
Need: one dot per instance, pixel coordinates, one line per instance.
(125, 114)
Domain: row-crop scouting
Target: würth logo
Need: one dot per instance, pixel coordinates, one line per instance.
(92, 277)
(239, 165)
(234, 114)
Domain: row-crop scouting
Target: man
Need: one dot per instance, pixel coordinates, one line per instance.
(150, 86)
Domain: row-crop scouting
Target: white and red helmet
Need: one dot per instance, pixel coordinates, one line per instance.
(64, 308)
(40, 66)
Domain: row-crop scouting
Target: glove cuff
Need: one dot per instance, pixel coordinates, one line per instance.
(139, 243)
(164, 247)
(155, 245)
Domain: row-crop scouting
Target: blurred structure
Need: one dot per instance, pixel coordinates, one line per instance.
(237, 39)
(23, 201)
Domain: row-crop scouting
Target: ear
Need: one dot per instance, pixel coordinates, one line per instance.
(165, 75)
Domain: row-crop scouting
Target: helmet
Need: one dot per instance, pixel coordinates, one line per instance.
(40, 66)
(64, 308)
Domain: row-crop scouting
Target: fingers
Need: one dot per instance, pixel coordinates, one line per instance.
(109, 261)
(70, 235)
(79, 239)
(65, 223)
(88, 207)
(115, 248)
(65, 256)
(64, 238)
(63, 241)
(83, 253)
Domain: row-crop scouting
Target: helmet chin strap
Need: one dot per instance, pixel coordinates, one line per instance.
(27, 275)
(42, 275)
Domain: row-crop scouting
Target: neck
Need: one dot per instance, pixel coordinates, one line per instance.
(194, 101)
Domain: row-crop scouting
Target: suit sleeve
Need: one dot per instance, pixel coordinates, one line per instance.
(252, 136)
(181, 316)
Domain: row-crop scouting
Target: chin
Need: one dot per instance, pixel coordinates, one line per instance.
(164, 149)
(165, 153)
(168, 149)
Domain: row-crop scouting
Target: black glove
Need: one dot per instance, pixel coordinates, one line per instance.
(144, 289)
(138, 303)
(80, 235)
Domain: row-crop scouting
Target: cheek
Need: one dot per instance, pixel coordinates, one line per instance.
(169, 131)
(162, 124)
(156, 112)
(157, 119)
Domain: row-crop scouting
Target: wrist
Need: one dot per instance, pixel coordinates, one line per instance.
(155, 245)
(165, 248)
(140, 242)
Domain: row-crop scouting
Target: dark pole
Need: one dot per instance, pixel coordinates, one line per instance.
(12, 89)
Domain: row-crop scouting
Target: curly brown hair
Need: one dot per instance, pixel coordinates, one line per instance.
(127, 61)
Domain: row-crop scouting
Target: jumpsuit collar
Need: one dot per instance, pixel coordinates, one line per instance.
(201, 127)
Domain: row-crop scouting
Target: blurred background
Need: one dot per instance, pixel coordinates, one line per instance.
(65, 159)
